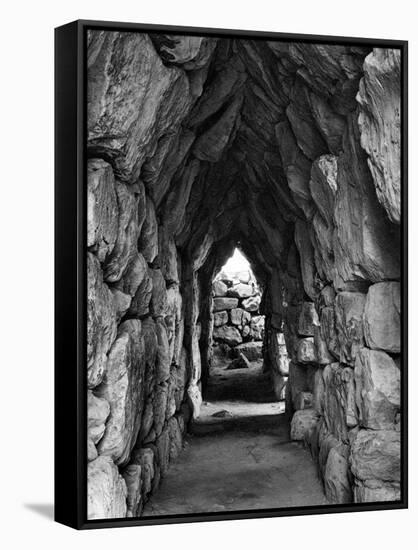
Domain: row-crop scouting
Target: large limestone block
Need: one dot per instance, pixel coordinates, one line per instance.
(339, 400)
(149, 332)
(278, 353)
(329, 331)
(195, 399)
(302, 421)
(148, 239)
(382, 320)
(176, 441)
(378, 492)
(123, 388)
(366, 246)
(379, 97)
(158, 304)
(106, 490)
(306, 352)
(236, 316)
(337, 477)
(375, 455)
(163, 450)
(377, 389)
(222, 304)
(219, 288)
(241, 290)
(257, 327)
(308, 319)
(252, 303)
(301, 379)
(323, 186)
(102, 207)
(163, 362)
(98, 410)
(349, 308)
(192, 52)
(167, 256)
(229, 335)
(141, 301)
(133, 99)
(160, 406)
(132, 476)
(134, 274)
(221, 318)
(128, 231)
(101, 322)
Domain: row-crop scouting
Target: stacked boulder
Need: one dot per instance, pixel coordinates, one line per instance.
(345, 391)
(238, 326)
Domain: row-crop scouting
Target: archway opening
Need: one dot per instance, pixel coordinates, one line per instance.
(239, 385)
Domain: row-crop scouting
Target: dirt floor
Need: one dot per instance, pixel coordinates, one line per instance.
(239, 456)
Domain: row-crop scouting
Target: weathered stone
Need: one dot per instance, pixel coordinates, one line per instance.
(251, 304)
(375, 455)
(176, 441)
(148, 239)
(329, 332)
(91, 450)
(132, 476)
(121, 302)
(377, 389)
(163, 448)
(337, 479)
(236, 316)
(349, 308)
(339, 400)
(158, 304)
(141, 301)
(102, 206)
(379, 120)
(382, 321)
(302, 421)
(306, 351)
(122, 387)
(150, 352)
(227, 334)
(240, 290)
(134, 274)
(97, 412)
(106, 490)
(133, 99)
(278, 353)
(127, 235)
(160, 406)
(101, 322)
(221, 304)
(323, 357)
(220, 318)
(219, 288)
(383, 492)
(308, 319)
(257, 327)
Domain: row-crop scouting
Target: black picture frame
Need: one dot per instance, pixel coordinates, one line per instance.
(70, 275)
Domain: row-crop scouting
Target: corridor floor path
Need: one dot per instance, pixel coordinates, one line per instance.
(239, 456)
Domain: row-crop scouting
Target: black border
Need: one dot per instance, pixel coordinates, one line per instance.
(71, 276)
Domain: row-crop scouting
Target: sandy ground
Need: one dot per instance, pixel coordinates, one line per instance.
(241, 458)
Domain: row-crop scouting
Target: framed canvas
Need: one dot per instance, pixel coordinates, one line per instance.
(231, 282)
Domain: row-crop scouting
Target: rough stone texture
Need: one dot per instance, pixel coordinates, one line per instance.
(382, 320)
(132, 476)
(302, 421)
(106, 490)
(379, 122)
(102, 206)
(227, 334)
(375, 455)
(289, 151)
(377, 389)
(97, 412)
(337, 479)
(101, 322)
(349, 308)
(122, 387)
(306, 351)
(221, 304)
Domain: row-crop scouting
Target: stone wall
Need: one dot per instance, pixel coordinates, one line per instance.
(238, 327)
(195, 145)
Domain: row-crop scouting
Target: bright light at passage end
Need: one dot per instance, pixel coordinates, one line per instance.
(236, 263)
